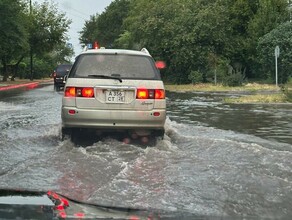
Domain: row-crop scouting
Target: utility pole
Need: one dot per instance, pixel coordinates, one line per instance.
(30, 52)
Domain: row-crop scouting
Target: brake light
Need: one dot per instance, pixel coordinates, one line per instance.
(79, 92)
(142, 94)
(160, 64)
(159, 94)
(87, 92)
(70, 92)
(150, 93)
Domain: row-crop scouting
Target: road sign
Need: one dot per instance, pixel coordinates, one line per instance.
(70, 45)
(89, 46)
(277, 51)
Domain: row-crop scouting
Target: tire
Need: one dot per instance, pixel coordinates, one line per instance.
(66, 132)
(56, 87)
(159, 133)
(74, 135)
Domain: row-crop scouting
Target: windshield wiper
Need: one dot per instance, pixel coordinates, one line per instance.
(106, 77)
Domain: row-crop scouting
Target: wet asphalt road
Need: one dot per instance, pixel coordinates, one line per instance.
(200, 167)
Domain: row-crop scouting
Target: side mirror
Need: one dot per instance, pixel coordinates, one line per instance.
(160, 65)
(65, 78)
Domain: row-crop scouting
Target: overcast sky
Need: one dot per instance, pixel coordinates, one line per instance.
(79, 11)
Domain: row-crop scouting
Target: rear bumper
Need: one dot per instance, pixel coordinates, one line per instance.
(113, 119)
(59, 81)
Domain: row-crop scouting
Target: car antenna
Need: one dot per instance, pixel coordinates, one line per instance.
(144, 50)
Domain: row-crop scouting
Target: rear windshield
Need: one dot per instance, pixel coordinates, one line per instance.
(123, 66)
(64, 68)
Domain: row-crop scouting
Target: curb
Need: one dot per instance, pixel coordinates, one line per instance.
(31, 85)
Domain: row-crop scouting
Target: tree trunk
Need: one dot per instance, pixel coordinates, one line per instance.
(5, 72)
(15, 68)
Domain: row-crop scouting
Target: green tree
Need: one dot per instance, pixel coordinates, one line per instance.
(47, 30)
(282, 37)
(89, 31)
(195, 77)
(270, 14)
(13, 35)
(110, 22)
(107, 27)
(184, 33)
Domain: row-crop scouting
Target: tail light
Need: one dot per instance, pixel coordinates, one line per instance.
(159, 94)
(160, 64)
(87, 92)
(150, 93)
(70, 92)
(142, 94)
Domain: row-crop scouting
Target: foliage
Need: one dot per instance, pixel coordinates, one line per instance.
(195, 77)
(106, 28)
(282, 37)
(270, 14)
(209, 36)
(40, 30)
(48, 28)
(13, 35)
(89, 32)
(125, 40)
(234, 79)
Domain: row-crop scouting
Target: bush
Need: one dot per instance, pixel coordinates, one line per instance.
(234, 79)
(195, 77)
(289, 81)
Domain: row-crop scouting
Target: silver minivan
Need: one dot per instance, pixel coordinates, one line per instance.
(114, 90)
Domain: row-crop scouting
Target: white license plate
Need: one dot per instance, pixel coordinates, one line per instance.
(114, 96)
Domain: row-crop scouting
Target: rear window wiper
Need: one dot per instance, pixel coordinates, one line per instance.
(106, 77)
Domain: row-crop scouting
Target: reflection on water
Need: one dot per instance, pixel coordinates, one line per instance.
(198, 169)
(269, 121)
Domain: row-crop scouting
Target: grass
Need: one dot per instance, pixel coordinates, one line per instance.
(208, 87)
(259, 98)
(260, 93)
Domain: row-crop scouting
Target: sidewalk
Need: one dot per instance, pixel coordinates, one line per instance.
(20, 83)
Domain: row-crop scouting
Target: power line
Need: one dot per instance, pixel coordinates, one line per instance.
(78, 16)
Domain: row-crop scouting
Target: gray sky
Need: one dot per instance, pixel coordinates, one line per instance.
(79, 11)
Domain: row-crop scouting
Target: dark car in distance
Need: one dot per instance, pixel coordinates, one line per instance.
(59, 73)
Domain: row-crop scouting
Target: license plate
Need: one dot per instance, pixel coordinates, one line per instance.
(114, 96)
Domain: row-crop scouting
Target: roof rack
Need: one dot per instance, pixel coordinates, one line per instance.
(85, 48)
(144, 50)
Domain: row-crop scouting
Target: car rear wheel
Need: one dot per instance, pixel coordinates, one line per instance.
(158, 133)
(66, 133)
(57, 87)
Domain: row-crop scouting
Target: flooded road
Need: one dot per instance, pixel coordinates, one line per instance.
(215, 159)
(269, 121)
